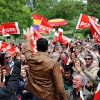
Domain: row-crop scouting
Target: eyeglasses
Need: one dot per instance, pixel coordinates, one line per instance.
(87, 58)
(8, 57)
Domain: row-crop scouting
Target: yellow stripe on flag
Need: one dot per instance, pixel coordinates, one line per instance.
(36, 22)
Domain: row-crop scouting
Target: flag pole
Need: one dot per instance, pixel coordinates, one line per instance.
(77, 26)
(74, 32)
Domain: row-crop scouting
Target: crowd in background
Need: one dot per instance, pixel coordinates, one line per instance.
(79, 60)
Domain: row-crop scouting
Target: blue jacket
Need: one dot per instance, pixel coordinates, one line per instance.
(20, 88)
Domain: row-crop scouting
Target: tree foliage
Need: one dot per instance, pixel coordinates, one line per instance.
(93, 1)
(15, 11)
(21, 11)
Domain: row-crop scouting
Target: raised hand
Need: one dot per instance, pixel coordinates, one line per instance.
(29, 32)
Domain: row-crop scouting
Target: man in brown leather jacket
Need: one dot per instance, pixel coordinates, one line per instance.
(45, 79)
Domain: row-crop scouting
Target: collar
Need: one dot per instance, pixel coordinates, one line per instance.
(11, 63)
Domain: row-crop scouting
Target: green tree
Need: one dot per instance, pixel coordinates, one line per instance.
(93, 1)
(15, 11)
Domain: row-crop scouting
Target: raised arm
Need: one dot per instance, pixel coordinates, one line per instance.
(9, 90)
(27, 46)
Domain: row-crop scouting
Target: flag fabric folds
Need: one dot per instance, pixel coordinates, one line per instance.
(58, 22)
(3, 45)
(84, 21)
(8, 48)
(10, 28)
(45, 27)
(61, 38)
(95, 30)
(35, 36)
(97, 94)
(41, 24)
(37, 18)
(1, 29)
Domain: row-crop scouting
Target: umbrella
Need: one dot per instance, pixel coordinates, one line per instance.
(57, 22)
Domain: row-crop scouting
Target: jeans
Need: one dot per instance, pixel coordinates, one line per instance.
(35, 98)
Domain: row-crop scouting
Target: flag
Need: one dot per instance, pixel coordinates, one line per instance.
(36, 34)
(3, 45)
(81, 96)
(12, 50)
(84, 21)
(61, 38)
(95, 30)
(35, 37)
(33, 45)
(7, 48)
(11, 28)
(1, 29)
(45, 27)
(37, 18)
(97, 94)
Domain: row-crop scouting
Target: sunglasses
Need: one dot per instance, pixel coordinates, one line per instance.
(8, 57)
(87, 58)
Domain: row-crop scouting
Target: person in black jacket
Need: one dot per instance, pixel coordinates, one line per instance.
(8, 91)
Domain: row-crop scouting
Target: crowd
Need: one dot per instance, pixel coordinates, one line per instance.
(78, 62)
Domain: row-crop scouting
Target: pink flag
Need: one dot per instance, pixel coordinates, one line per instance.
(95, 30)
(11, 28)
(97, 94)
(84, 21)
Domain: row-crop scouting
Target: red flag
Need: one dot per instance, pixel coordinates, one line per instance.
(45, 27)
(12, 50)
(36, 34)
(39, 17)
(1, 29)
(84, 21)
(3, 45)
(33, 45)
(95, 30)
(97, 94)
(61, 38)
(11, 28)
(35, 37)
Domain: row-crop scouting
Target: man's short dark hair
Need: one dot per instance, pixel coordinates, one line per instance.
(67, 68)
(42, 44)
